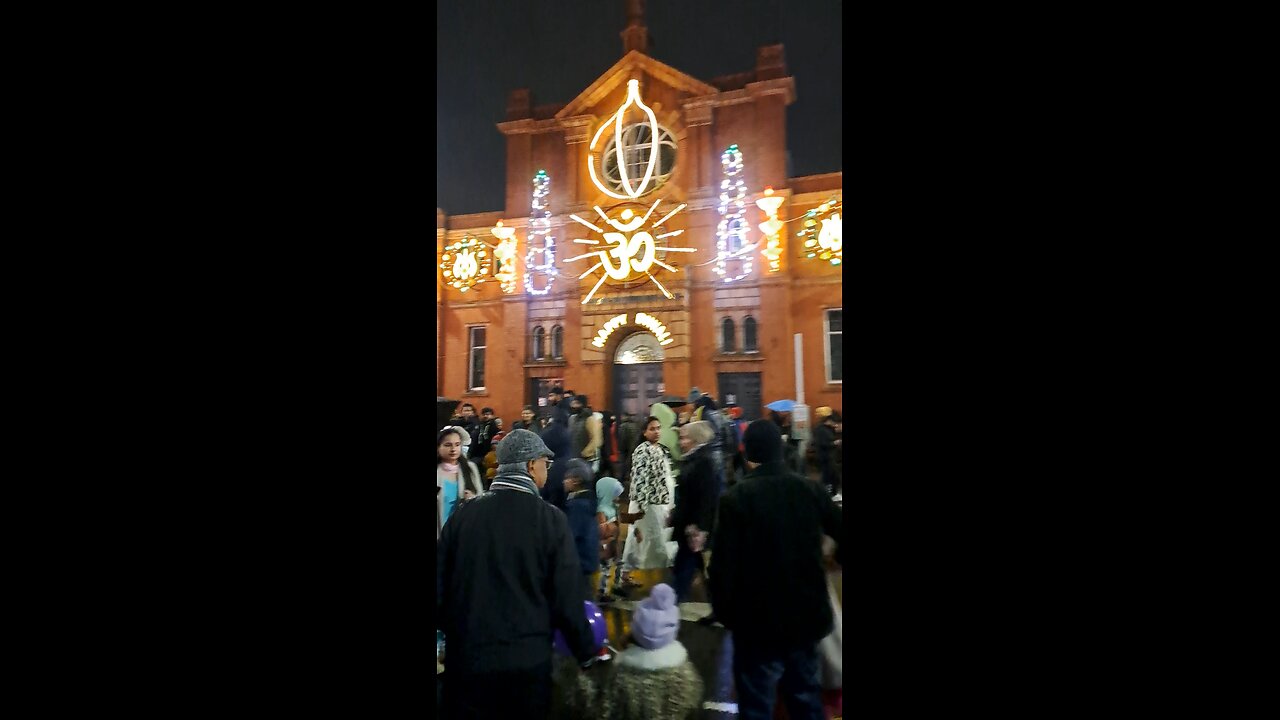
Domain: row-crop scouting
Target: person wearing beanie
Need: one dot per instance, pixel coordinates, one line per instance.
(771, 525)
(507, 578)
(655, 678)
(580, 511)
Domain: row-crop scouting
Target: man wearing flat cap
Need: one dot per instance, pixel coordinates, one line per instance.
(771, 525)
(508, 577)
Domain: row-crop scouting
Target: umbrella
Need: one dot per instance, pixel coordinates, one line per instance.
(782, 405)
(674, 402)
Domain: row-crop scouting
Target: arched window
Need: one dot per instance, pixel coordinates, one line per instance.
(557, 342)
(539, 343)
(637, 145)
(727, 343)
(749, 341)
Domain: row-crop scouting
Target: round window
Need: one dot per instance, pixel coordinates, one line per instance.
(637, 144)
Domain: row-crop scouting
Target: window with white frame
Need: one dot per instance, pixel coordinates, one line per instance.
(727, 340)
(557, 343)
(539, 343)
(834, 329)
(750, 343)
(475, 365)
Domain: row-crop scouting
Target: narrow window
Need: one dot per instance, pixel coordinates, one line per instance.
(475, 369)
(835, 348)
(539, 343)
(749, 341)
(557, 342)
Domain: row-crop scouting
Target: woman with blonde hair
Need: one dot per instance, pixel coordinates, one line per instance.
(695, 509)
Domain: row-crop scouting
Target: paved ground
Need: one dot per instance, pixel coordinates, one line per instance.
(710, 647)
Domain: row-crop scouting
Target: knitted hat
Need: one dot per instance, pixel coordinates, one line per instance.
(521, 446)
(763, 442)
(822, 412)
(656, 619)
(694, 394)
(577, 467)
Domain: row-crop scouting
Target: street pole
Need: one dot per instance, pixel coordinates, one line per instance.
(800, 414)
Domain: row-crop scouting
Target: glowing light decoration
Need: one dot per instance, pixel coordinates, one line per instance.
(466, 263)
(773, 249)
(505, 254)
(645, 320)
(633, 96)
(654, 326)
(541, 243)
(824, 243)
(732, 225)
(603, 333)
(635, 254)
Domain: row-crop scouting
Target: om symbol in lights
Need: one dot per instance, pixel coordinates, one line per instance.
(635, 255)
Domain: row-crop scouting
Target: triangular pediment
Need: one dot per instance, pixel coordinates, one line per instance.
(625, 69)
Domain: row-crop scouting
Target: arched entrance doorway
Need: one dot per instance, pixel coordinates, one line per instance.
(637, 373)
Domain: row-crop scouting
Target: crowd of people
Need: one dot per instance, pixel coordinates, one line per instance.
(527, 518)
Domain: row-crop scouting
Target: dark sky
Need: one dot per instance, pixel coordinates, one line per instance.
(486, 48)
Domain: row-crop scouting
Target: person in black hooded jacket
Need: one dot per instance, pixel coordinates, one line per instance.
(771, 525)
(556, 436)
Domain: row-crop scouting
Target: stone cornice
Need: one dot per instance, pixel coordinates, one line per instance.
(528, 126)
(786, 87)
(577, 129)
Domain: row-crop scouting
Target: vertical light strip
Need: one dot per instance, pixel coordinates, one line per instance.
(540, 240)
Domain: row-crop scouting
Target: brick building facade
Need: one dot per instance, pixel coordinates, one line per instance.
(728, 338)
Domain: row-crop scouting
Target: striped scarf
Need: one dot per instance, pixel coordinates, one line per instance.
(514, 480)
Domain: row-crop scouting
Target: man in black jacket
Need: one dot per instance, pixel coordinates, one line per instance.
(508, 576)
(770, 526)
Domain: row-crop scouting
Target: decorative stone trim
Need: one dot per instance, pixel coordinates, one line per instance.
(577, 129)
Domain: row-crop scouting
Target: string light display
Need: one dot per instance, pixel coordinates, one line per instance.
(770, 228)
(465, 263)
(732, 225)
(505, 254)
(823, 242)
(540, 240)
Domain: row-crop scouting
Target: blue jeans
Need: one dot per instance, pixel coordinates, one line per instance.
(760, 674)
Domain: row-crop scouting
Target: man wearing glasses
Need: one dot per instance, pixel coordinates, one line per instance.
(508, 577)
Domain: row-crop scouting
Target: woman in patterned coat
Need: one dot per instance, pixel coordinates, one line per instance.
(651, 490)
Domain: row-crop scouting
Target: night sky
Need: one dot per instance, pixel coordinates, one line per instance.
(486, 48)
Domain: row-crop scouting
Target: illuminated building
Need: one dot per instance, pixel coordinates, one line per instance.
(641, 274)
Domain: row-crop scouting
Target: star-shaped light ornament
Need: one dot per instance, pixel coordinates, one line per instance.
(629, 253)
